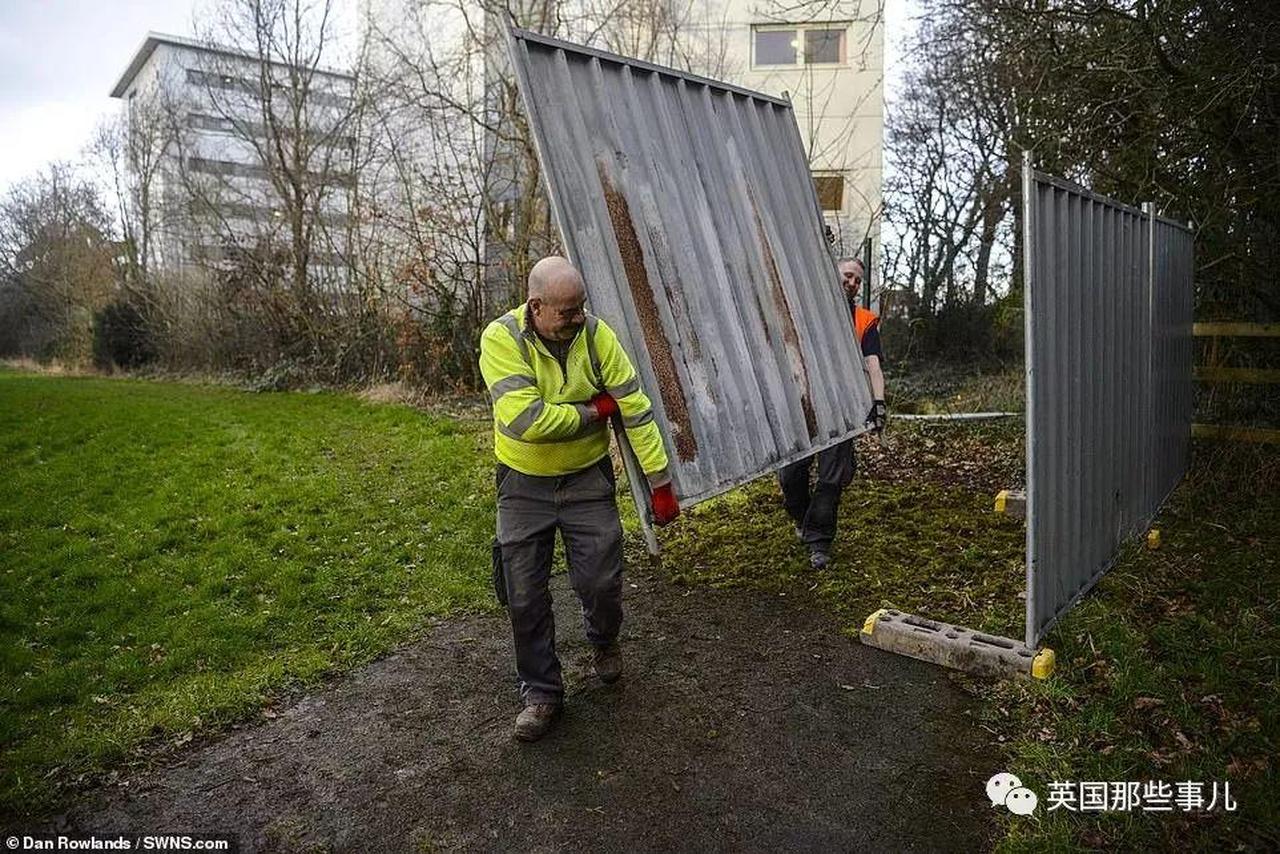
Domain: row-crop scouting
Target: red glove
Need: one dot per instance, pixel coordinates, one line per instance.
(665, 506)
(604, 405)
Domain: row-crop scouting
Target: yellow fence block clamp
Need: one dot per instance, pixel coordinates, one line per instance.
(1153, 539)
(954, 646)
(1044, 662)
(869, 624)
(1012, 502)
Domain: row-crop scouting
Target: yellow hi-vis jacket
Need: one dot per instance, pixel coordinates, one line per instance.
(542, 424)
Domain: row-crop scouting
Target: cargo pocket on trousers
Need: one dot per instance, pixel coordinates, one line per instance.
(499, 574)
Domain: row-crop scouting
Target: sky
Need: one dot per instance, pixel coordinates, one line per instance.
(60, 58)
(58, 61)
(900, 18)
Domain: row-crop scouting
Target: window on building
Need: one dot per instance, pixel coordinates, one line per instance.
(775, 47)
(830, 191)
(824, 46)
(799, 44)
(202, 121)
(209, 80)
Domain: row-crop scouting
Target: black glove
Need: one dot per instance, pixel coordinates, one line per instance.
(878, 416)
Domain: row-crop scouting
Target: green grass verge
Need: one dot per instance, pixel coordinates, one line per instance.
(1169, 671)
(172, 557)
(918, 547)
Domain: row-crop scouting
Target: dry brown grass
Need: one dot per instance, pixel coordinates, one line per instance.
(52, 368)
(461, 405)
(393, 393)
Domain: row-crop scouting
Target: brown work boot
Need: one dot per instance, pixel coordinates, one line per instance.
(608, 662)
(535, 720)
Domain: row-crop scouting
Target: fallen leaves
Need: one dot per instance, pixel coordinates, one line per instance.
(966, 457)
(1142, 704)
(1242, 768)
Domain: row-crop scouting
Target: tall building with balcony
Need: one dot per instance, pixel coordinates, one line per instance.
(829, 60)
(249, 162)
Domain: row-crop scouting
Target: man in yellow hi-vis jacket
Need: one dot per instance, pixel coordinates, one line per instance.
(556, 375)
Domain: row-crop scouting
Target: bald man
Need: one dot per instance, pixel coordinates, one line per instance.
(557, 375)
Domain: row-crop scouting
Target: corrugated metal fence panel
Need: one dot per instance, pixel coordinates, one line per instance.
(689, 208)
(1108, 383)
(1173, 356)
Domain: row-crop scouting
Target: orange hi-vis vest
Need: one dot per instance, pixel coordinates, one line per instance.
(863, 319)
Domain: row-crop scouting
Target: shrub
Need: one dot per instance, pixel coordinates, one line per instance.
(121, 336)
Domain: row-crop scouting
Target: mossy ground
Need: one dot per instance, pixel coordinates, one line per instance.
(923, 546)
(175, 557)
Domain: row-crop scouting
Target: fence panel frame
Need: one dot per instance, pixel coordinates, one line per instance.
(750, 202)
(1106, 449)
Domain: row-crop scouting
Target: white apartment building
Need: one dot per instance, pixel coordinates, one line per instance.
(215, 191)
(832, 68)
(827, 57)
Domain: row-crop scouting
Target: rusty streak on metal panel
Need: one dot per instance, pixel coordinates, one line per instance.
(789, 335)
(689, 207)
(624, 231)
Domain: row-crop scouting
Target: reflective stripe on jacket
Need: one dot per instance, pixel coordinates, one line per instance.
(542, 424)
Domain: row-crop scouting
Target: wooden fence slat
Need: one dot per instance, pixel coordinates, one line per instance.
(1256, 376)
(1242, 330)
(1239, 434)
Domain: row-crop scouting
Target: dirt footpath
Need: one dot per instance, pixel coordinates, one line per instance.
(742, 723)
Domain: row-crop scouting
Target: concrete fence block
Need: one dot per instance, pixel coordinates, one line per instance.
(954, 646)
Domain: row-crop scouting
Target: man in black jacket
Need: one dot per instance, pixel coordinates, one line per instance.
(815, 512)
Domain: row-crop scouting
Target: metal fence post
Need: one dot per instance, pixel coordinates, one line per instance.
(1150, 475)
(866, 272)
(1028, 319)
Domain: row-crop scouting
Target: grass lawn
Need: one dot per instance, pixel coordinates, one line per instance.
(1169, 671)
(174, 556)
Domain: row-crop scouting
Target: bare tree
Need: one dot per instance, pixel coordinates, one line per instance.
(268, 169)
(455, 199)
(56, 264)
(130, 151)
(1138, 99)
(285, 173)
(953, 155)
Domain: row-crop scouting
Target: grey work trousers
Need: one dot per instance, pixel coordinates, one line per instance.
(815, 512)
(583, 507)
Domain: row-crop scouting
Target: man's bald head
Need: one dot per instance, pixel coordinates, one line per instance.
(851, 273)
(555, 277)
(557, 298)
